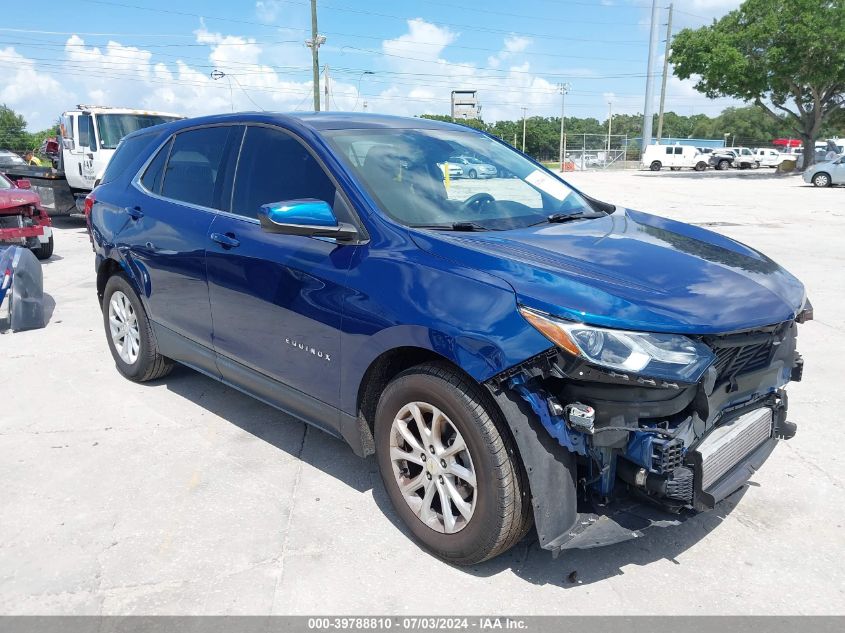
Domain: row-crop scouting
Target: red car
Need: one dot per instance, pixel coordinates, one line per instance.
(23, 221)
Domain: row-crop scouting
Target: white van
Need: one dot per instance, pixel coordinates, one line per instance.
(675, 157)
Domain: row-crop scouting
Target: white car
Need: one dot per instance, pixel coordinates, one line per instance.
(768, 157)
(675, 157)
(745, 158)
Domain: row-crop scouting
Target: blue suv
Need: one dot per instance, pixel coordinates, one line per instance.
(513, 351)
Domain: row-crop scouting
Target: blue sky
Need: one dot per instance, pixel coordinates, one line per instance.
(159, 55)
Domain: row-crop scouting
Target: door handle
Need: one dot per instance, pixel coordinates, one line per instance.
(226, 240)
(134, 212)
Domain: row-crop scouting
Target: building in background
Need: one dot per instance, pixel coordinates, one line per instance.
(465, 104)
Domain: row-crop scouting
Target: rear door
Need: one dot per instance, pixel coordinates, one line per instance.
(276, 299)
(168, 228)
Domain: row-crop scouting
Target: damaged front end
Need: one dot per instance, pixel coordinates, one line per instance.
(647, 447)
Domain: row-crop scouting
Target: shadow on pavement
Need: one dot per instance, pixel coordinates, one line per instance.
(526, 560)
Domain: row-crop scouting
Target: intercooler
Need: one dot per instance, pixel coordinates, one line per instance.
(729, 444)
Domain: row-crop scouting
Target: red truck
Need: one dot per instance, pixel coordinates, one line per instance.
(23, 221)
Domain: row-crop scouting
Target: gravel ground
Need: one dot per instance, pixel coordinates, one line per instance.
(185, 497)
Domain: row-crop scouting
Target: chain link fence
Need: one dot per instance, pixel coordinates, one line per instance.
(600, 151)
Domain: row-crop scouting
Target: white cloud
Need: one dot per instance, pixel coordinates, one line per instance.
(268, 10)
(37, 96)
(415, 74)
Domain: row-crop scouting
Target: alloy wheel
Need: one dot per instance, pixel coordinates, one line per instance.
(433, 467)
(123, 326)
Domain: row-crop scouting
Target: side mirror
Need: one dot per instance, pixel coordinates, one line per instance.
(23, 183)
(68, 143)
(307, 217)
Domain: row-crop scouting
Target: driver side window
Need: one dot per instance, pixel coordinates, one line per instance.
(274, 167)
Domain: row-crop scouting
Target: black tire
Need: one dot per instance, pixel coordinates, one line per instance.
(150, 364)
(44, 251)
(473, 174)
(723, 164)
(655, 166)
(700, 166)
(502, 514)
(821, 179)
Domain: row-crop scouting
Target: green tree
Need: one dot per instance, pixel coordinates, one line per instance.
(13, 134)
(786, 56)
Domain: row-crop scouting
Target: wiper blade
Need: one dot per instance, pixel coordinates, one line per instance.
(454, 226)
(560, 218)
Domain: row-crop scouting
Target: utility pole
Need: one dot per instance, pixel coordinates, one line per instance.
(665, 74)
(326, 80)
(524, 110)
(609, 121)
(649, 78)
(314, 44)
(563, 89)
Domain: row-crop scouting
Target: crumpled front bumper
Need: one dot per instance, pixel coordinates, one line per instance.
(727, 425)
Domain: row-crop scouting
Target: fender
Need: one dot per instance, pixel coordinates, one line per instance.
(550, 468)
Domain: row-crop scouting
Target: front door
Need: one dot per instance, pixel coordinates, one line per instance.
(838, 175)
(276, 299)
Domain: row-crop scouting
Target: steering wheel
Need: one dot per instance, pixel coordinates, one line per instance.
(478, 201)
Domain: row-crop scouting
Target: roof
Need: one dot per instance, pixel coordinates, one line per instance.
(95, 109)
(319, 121)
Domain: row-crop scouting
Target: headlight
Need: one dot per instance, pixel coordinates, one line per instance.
(667, 356)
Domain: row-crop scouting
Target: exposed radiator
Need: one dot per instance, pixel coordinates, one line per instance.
(729, 443)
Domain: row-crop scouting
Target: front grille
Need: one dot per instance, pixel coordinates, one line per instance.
(730, 443)
(732, 361)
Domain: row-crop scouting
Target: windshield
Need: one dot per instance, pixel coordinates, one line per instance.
(404, 170)
(8, 158)
(113, 127)
(5, 183)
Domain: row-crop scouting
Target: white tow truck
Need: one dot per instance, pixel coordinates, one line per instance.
(88, 137)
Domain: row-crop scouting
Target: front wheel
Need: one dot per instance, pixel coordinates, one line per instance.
(821, 180)
(722, 165)
(449, 465)
(655, 166)
(473, 174)
(44, 251)
(700, 166)
(130, 335)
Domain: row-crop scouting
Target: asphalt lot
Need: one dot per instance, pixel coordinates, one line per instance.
(186, 497)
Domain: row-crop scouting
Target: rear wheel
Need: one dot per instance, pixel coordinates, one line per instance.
(130, 335)
(44, 251)
(449, 465)
(723, 164)
(655, 166)
(473, 174)
(821, 179)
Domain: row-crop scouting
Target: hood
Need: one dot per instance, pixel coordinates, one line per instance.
(14, 198)
(631, 270)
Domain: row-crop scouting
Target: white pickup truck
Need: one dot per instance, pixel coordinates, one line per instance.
(88, 137)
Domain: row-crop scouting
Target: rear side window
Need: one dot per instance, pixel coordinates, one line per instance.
(668, 150)
(195, 169)
(679, 150)
(274, 167)
(155, 170)
(127, 153)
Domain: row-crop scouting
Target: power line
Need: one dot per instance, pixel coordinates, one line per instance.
(468, 27)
